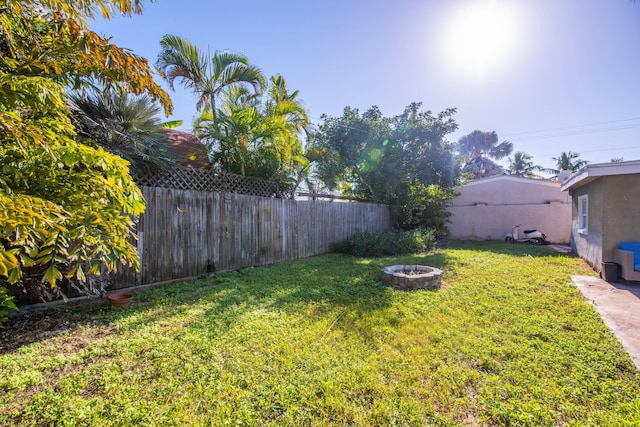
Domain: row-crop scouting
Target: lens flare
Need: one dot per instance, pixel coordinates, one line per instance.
(370, 160)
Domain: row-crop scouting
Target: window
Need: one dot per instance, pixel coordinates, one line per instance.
(583, 214)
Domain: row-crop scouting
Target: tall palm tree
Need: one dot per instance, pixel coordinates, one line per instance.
(521, 164)
(125, 125)
(207, 76)
(568, 161)
(478, 148)
(288, 114)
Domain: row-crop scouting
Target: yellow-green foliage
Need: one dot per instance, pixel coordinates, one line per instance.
(62, 203)
(65, 208)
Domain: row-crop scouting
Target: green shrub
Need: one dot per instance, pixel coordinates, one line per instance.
(6, 304)
(394, 242)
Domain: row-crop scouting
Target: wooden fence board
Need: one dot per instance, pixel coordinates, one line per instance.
(188, 233)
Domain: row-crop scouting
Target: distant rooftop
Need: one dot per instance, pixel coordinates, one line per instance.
(515, 178)
(188, 149)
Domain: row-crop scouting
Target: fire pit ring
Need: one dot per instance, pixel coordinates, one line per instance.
(412, 277)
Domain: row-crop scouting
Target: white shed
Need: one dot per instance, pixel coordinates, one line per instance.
(487, 209)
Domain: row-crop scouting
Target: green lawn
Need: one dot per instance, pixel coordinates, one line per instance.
(507, 341)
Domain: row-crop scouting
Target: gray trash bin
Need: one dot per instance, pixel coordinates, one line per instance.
(609, 271)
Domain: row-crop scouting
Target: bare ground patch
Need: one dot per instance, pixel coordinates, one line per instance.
(25, 329)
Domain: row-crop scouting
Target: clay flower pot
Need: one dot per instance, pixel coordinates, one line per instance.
(120, 300)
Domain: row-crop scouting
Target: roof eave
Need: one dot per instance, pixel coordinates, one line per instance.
(591, 172)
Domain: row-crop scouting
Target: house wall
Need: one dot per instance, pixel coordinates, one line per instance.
(621, 211)
(614, 217)
(510, 190)
(588, 246)
(488, 209)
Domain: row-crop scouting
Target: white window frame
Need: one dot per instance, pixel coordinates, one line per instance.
(583, 214)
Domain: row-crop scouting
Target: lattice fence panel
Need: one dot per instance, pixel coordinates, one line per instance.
(207, 180)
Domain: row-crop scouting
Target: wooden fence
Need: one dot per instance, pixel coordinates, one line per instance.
(184, 178)
(187, 233)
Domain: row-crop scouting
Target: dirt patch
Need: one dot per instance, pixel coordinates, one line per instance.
(34, 327)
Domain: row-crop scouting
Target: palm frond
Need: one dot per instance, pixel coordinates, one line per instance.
(125, 125)
(181, 60)
(501, 150)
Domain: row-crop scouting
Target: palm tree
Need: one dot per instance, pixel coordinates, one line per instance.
(233, 132)
(568, 161)
(522, 165)
(281, 102)
(478, 148)
(287, 114)
(208, 77)
(254, 139)
(125, 125)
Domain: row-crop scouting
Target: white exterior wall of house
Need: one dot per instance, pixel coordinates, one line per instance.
(487, 209)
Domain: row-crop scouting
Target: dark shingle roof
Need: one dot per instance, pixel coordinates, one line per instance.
(188, 149)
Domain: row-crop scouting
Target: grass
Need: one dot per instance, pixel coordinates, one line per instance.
(321, 342)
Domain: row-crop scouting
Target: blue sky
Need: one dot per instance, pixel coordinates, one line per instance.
(547, 75)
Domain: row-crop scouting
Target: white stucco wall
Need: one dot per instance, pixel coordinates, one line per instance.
(487, 209)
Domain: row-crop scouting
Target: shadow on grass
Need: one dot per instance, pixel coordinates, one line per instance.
(329, 282)
(330, 285)
(33, 327)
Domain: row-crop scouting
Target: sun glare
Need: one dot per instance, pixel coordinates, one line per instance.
(481, 38)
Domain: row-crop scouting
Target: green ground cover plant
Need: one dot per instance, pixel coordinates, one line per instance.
(392, 242)
(322, 342)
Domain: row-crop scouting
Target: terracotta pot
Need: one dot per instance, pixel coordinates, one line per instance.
(120, 300)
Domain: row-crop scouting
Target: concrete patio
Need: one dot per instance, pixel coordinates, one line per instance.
(619, 306)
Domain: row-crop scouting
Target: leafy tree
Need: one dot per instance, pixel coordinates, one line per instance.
(235, 136)
(66, 209)
(477, 150)
(124, 125)
(402, 161)
(346, 149)
(617, 159)
(521, 164)
(207, 77)
(51, 40)
(294, 122)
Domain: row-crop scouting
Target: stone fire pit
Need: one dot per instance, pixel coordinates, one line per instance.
(412, 277)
